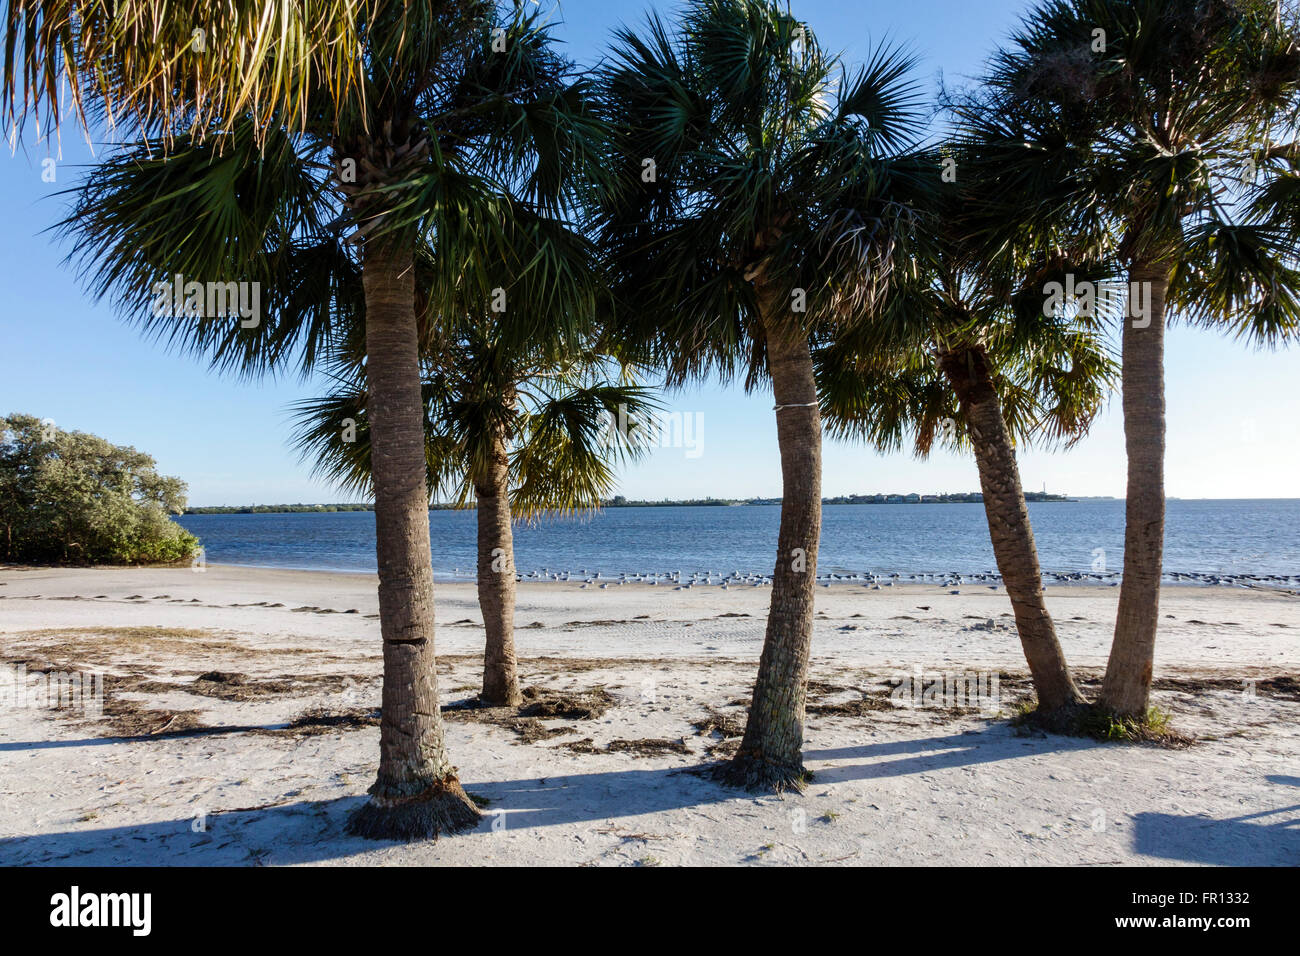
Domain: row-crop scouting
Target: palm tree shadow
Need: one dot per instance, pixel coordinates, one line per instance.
(313, 831)
(19, 745)
(227, 838)
(992, 744)
(1236, 841)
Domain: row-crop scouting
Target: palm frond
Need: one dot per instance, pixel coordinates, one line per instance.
(227, 209)
(141, 65)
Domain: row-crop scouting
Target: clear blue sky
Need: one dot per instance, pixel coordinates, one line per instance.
(1234, 413)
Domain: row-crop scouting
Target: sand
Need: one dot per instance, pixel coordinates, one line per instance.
(261, 762)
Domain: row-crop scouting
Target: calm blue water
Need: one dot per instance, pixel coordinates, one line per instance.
(1217, 537)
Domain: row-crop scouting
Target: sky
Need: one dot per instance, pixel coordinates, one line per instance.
(1233, 412)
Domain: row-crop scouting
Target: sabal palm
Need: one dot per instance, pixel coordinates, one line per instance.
(465, 134)
(760, 200)
(969, 358)
(518, 432)
(1129, 124)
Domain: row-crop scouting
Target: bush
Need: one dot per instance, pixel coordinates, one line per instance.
(73, 498)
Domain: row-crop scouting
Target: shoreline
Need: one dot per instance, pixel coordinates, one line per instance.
(925, 615)
(918, 582)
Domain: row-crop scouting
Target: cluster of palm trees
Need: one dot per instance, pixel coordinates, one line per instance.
(485, 249)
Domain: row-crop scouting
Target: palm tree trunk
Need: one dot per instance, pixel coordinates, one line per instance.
(1126, 690)
(496, 582)
(1010, 531)
(416, 794)
(771, 752)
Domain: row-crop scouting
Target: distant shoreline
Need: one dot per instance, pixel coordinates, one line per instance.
(619, 502)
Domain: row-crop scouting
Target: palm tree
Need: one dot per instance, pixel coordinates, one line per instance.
(761, 198)
(465, 133)
(968, 359)
(518, 432)
(1129, 123)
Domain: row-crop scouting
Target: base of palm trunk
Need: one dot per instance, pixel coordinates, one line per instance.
(752, 771)
(1150, 727)
(1066, 719)
(1126, 697)
(1098, 722)
(500, 699)
(442, 808)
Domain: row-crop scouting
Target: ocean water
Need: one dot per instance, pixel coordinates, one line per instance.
(1219, 538)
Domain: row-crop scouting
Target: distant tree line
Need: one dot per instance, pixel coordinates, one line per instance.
(969, 497)
(620, 501)
(275, 509)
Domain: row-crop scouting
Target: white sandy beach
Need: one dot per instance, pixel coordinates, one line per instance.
(182, 771)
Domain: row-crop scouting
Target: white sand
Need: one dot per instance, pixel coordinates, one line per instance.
(893, 786)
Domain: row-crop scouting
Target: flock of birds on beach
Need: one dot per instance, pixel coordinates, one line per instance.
(681, 581)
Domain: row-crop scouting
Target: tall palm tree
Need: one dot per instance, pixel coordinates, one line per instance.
(1129, 123)
(517, 432)
(761, 198)
(466, 133)
(967, 359)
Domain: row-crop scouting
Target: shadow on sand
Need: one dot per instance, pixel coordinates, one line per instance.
(311, 831)
(1267, 838)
